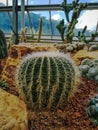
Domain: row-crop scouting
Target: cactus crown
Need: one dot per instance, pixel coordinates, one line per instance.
(45, 79)
(3, 45)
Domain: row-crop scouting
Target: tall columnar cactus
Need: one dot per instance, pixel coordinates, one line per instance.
(76, 9)
(3, 45)
(46, 79)
(40, 30)
(61, 28)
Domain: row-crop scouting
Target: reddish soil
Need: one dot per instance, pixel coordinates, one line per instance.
(72, 115)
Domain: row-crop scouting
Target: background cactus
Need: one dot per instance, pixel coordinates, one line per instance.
(76, 9)
(46, 79)
(61, 28)
(82, 37)
(3, 45)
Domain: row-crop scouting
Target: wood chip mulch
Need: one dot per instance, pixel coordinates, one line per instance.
(72, 115)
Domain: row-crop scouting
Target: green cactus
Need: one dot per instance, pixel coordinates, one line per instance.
(3, 45)
(92, 110)
(86, 61)
(89, 69)
(61, 28)
(76, 9)
(82, 37)
(46, 79)
(93, 48)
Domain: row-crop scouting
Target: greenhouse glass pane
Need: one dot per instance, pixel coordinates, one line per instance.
(43, 2)
(88, 18)
(6, 2)
(35, 19)
(5, 22)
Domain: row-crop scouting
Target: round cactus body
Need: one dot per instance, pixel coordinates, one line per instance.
(84, 69)
(45, 79)
(96, 78)
(93, 71)
(92, 110)
(85, 61)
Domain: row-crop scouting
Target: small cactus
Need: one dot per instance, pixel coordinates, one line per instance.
(93, 48)
(74, 47)
(85, 61)
(3, 45)
(92, 110)
(46, 79)
(89, 69)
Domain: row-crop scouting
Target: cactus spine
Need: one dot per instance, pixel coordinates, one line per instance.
(3, 45)
(45, 79)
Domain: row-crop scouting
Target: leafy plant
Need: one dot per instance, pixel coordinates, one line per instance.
(92, 110)
(45, 79)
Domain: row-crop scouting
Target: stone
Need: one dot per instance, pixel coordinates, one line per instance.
(13, 112)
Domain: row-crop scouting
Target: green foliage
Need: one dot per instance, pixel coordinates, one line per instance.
(46, 79)
(76, 9)
(4, 85)
(89, 69)
(92, 110)
(3, 45)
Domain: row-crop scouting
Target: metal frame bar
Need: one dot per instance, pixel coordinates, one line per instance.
(91, 6)
(15, 21)
(22, 14)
